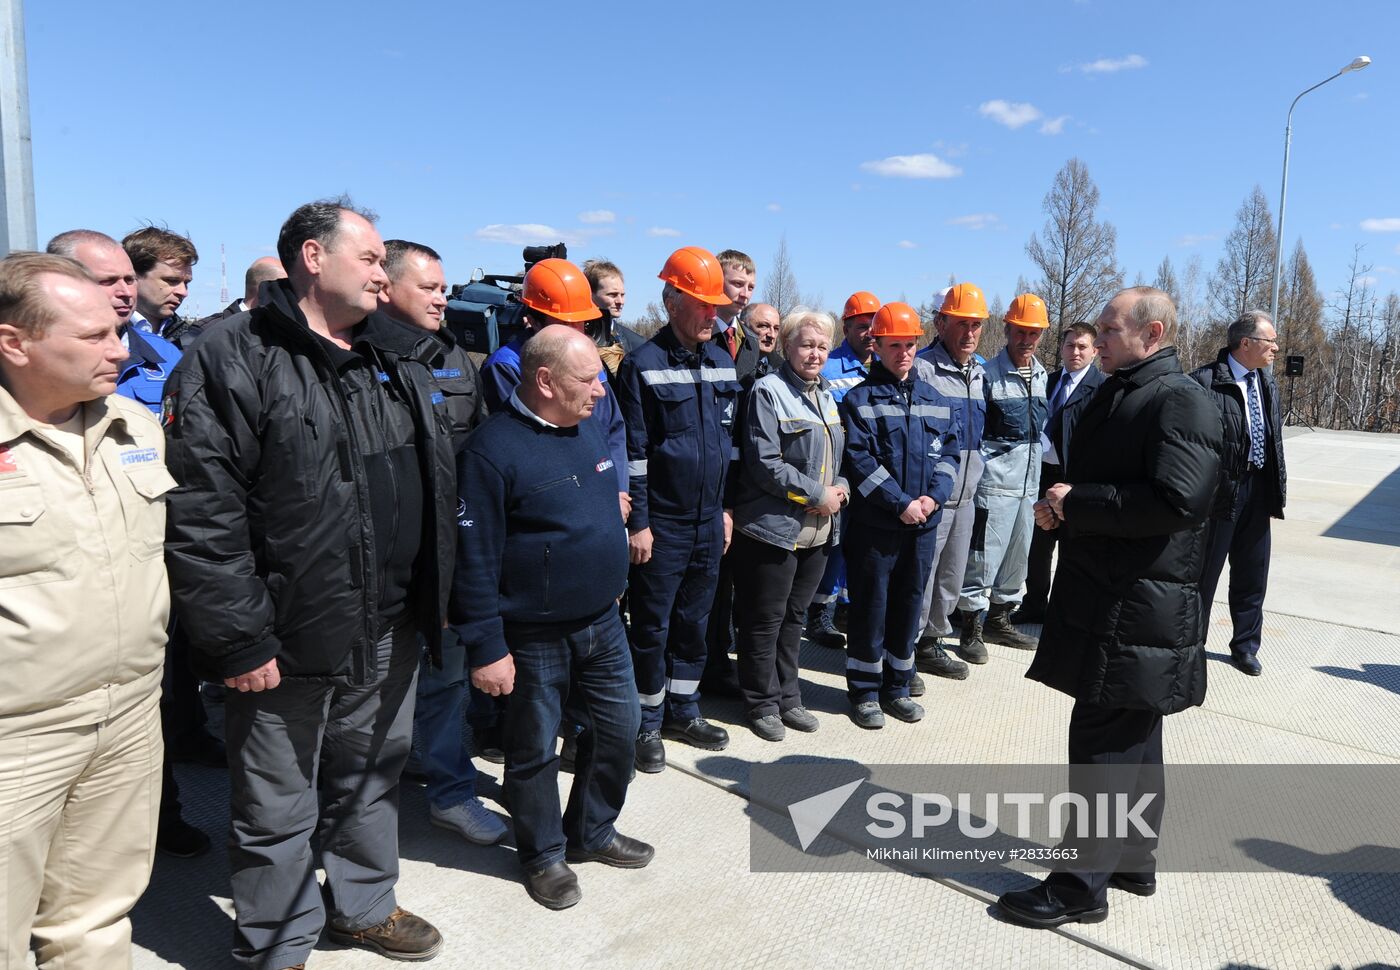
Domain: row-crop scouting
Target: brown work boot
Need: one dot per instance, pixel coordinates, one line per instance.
(402, 936)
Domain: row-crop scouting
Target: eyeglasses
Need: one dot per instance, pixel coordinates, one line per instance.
(1272, 342)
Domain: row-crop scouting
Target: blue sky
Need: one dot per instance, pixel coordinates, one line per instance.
(631, 129)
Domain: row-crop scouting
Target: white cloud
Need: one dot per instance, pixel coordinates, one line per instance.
(978, 220)
(597, 216)
(524, 234)
(1196, 238)
(1389, 270)
(1012, 114)
(1112, 65)
(663, 231)
(1334, 225)
(773, 207)
(1369, 281)
(912, 167)
(906, 244)
(1380, 225)
(1053, 126)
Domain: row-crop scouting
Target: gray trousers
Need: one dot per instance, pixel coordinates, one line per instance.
(1001, 549)
(314, 757)
(949, 566)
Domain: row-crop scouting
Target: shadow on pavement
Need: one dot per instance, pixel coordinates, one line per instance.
(1376, 518)
(1370, 895)
(1381, 675)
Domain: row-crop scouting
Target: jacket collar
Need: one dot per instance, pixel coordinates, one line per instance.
(142, 353)
(15, 423)
(1161, 363)
(797, 383)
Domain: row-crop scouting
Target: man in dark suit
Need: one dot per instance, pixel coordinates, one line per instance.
(1069, 389)
(1253, 479)
(1123, 633)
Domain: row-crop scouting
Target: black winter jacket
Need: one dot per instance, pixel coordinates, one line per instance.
(1124, 628)
(271, 537)
(1220, 381)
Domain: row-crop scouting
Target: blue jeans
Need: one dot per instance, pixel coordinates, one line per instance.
(589, 667)
(437, 720)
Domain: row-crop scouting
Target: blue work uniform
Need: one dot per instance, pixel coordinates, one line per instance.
(679, 406)
(143, 375)
(901, 443)
(500, 375)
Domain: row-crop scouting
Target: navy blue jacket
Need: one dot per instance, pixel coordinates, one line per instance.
(901, 442)
(143, 375)
(679, 407)
(500, 375)
(537, 522)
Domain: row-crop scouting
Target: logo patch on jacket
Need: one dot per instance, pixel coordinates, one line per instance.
(604, 465)
(446, 373)
(8, 464)
(140, 456)
(167, 408)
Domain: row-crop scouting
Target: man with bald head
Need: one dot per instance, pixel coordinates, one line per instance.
(263, 269)
(539, 525)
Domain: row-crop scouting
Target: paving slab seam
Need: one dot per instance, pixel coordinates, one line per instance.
(1127, 959)
(1388, 758)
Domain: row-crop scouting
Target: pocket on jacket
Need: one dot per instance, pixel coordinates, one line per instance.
(38, 542)
(677, 407)
(145, 514)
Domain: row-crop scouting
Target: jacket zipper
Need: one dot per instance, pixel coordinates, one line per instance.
(546, 577)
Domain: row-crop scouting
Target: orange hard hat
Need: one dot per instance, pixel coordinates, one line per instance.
(897, 320)
(860, 303)
(1028, 310)
(696, 272)
(558, 288)
(965, 300)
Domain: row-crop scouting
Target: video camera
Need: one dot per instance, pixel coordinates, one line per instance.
(484, 313)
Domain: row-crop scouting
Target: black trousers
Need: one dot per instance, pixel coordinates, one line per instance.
(182, 717)
(719, 634)
(1246, 543)
(1106, 736)
(1042, 549)
(773, 587)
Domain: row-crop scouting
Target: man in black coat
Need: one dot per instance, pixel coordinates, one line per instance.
(310, 542)
(1253, 479)
(1124, 635)
(1068, 392)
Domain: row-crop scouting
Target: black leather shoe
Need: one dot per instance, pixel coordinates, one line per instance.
(651, 753)
(1137, 883)
(1041, 908)
(997, 628)
(181, 840)
(555, 887)
(821, 629)
(621, 853)
(1247, 663)
(917, 687)
(697, 732)
(931, 658)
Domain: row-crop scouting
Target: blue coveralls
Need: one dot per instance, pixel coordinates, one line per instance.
(843, 371)
(679, 407)
(500, 375)
(143, 375)
(901, 443)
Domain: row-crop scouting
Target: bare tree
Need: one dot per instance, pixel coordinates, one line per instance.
(1245, 274)
(1078, 257)
(651, 321)
(780, 285)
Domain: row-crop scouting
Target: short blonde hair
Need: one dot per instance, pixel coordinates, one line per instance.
(23, 303)
(800, 317)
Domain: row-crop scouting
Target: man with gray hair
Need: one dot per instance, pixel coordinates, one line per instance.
(310, 545)
(542, 559)
(1253, 479)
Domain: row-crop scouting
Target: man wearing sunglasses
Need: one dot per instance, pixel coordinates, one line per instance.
(1253, 479)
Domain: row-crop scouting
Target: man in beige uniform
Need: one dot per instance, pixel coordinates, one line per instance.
(82, 631)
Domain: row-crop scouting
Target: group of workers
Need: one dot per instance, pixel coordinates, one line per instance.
(366, 533)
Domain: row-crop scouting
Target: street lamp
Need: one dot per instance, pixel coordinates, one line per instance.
(1356, 65)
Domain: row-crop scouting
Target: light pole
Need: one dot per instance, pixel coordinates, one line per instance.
(1355, 65)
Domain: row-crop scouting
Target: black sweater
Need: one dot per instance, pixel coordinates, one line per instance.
(540, 537)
